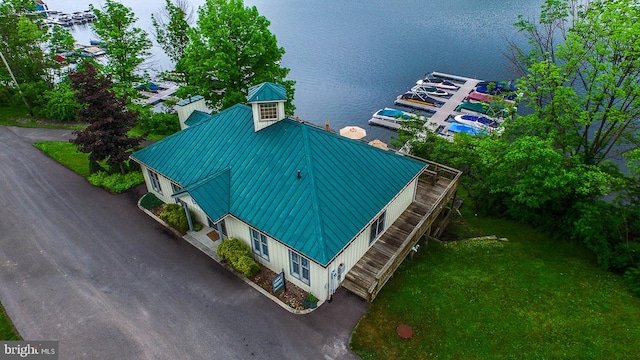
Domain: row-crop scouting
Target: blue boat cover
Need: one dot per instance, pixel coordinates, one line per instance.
(393, 113)
(457, 128)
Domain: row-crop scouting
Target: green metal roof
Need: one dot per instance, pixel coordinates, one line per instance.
(343, 183)
(196, 117)
(267, 92)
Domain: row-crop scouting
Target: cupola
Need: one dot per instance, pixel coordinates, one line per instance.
(267, 103)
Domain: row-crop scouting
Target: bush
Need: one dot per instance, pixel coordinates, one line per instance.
(60, 103)
(174, 215)
(247, 266)
(150, 201)
(238, 254)
(632, 276)
(310, 301)
(232, 249)
(116, 183)
(158, 123)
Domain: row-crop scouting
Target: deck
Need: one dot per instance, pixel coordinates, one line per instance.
(428, 214)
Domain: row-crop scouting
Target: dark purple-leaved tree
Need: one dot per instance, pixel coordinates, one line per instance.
(105, 138)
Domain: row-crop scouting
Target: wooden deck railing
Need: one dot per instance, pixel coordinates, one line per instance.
(385, 273)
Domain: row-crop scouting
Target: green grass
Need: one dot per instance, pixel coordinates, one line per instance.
(66, 154)
(19, 116)
(528, 298)
(7, 330)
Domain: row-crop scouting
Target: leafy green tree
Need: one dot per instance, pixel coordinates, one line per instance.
(172, 28)
(105, 138)
(581, 77)
(127, 46)
(231, 48)
(60, 102)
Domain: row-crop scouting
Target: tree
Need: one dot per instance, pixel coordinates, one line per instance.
(172, 28)
(128, 46)
(231, 48)
(105, 138)
(581, 77)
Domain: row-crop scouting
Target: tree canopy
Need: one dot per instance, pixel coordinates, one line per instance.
(231, 48)
(105, 138)
(128, 45)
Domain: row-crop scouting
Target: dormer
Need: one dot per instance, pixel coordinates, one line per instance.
(267, 103)
(187, 106)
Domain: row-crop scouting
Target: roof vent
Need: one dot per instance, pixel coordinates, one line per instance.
(299, 176)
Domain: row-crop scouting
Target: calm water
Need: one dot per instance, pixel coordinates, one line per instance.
(351, 58)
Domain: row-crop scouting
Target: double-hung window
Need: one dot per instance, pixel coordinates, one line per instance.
(268, 112)
(299, 267)
(377, 227)
(155, 181)
(260, 246)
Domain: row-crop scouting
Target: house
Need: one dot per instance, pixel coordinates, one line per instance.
(308, 201)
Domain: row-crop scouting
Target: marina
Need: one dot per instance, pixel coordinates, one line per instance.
(461, 98)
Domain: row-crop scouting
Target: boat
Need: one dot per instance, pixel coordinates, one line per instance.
(474, 108)
(477, 121)
(461, 128)
(429, 90)
(65, 20)
(395, 115)
(89, 15)
(422, 99)
(495, 87)
(94, 42)
(484, 97)
(431, 80)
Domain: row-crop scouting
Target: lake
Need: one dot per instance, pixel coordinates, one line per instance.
(351, 58)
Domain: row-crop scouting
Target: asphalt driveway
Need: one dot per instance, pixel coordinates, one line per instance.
(90, 270)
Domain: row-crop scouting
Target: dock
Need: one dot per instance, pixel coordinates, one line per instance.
(440, 115)
(164, 92)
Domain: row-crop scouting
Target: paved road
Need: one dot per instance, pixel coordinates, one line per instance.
(89, 269)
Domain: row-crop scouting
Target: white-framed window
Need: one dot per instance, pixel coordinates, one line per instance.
(268, 112)
(155, 181)
(299, 267)
(377, 227)
(260, 246)
(175, 187)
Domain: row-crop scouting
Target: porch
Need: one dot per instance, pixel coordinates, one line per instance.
(429, 214)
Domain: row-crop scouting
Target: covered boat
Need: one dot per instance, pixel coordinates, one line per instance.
(477, 121)
(395, 115)
(419, 99)
(461, 128)
(429, 90)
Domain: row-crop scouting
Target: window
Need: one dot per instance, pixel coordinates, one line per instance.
(259, 241)
(155, 181)
(299, 267)
(377, 228)
(268, 112)
(175, 187)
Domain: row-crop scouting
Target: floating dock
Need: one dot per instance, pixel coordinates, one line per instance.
(164, 92)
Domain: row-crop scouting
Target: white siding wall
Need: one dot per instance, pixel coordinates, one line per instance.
(185, 110)
(167, 191)
(350, 256)
(259, 125)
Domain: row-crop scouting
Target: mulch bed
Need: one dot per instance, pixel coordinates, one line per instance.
(294, 296)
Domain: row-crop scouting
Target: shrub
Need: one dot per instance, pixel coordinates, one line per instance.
(174, 215)
(238, 254)
(247, 266)
(158, 123)
(310, 301)
(116, 183)
(632, 276)
(232, 249)
(150, 201)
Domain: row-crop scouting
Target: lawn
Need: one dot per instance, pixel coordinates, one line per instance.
(19, 116)
(67, 154)
(7, 330)
(527, 298)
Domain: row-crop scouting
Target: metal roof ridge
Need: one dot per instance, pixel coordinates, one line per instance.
(201, 182)
(316, 209)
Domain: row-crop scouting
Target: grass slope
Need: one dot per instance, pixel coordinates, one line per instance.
(528, 298)
(7, 330)
(66, 154)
